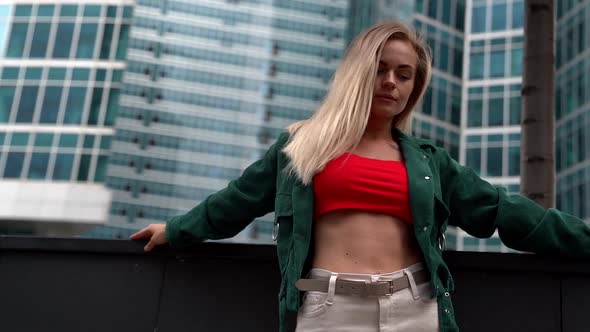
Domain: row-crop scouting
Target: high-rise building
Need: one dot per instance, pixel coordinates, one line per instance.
(362, 14)
(61, 64)
(208, 87)
(572, 108)
(491, 103)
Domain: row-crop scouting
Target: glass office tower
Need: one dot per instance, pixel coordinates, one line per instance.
(61, 64)
(572, 108)
(491, 105)
(209, 86)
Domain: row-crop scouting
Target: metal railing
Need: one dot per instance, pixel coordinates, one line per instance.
(49, 284)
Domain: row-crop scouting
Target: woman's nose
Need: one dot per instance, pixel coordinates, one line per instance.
(389, 79)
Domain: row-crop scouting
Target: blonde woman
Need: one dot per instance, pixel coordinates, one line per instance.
(361, 206)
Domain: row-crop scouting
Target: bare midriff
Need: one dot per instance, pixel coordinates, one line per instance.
(357, 241)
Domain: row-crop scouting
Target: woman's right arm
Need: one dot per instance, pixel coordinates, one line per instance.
(226, 212)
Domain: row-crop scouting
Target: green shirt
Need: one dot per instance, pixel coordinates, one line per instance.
(442, 193)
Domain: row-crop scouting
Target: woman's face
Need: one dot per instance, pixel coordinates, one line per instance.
(395, 79)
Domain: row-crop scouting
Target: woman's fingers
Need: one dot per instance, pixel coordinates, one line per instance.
(144, 233)
(156, 233)
(150, 245)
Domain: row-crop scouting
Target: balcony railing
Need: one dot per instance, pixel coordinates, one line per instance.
(88, 285)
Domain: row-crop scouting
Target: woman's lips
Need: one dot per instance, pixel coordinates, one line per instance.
(386, 99)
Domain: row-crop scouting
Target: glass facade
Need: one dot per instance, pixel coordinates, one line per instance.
(438, 117)
(61, 67)
(208, 87)
(490, 117)
(57, 109)
(572, 108)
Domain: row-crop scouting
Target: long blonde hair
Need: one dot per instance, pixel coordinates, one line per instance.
(339, 123)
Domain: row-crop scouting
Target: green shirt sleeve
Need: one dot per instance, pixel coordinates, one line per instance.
(480, 209)
(228, 211)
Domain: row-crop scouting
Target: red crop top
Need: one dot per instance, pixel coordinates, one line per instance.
(354, 182)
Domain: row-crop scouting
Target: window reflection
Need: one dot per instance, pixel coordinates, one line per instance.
(86, 41)
(63, 166)
(38, 166)
(26, 107)
(50, 107)
(63, 40)
(75, 105)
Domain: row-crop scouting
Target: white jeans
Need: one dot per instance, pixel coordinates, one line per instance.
(409, 309)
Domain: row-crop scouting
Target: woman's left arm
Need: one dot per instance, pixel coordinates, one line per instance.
(480, 208)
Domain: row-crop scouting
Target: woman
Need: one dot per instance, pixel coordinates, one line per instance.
(361, 206)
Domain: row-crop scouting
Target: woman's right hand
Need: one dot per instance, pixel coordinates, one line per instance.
(156, 233)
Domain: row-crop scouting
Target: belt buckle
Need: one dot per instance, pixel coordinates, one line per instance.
(390, 289)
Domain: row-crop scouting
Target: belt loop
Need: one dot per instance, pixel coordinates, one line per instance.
(413, 287)
(331, 289)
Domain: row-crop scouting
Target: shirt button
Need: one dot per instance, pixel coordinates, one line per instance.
(447, 294)
(427, 177)
(447, 311)
(424, 156)
(425, 228)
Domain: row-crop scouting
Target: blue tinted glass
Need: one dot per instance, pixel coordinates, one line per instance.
(33, 73)
(69, 10)
(81, 74)
(478, 20)
(123, 39)
(63, 166)
(95, 106)
(75, 105)
(92, 10)
(26, 108)
(68, 140)
(46, 10)
(43, 140)
(105, 47)
(83, 168)
(494, 161)
(516, 62)
(105, 142)
(10, 73)
(3, 135)
(63, 40)
(474, 113)
(497, 63)
(515, 110)
(6, 95)
(112, 107)
(476, 66)
(23, 10)
(100, 75)
(87, 40)
(20, 139)
(499, 17)
(101, 169)
(518, 14)
(128, 12)
(18, 36)
(40, 40)
(38, 166)
(50, 107)
(496, 112)
(117, 75)
(14, 164)
(88, 141)
(57, 74)
(514, 161)
(112, 11)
